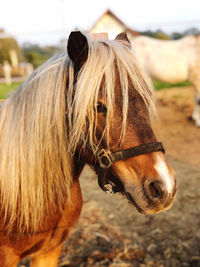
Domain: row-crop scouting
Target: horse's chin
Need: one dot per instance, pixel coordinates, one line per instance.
(132, 201)
(148, 208)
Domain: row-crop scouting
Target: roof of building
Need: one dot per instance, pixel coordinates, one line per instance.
(110, 13)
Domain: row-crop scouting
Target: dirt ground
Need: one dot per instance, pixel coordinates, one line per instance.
(110, 232)
(174, 125)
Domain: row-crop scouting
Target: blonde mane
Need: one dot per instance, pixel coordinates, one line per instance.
(36, 143)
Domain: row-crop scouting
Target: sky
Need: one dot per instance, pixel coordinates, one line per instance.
(48, 21)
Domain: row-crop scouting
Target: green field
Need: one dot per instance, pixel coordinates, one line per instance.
(161, 85)
(6, 90)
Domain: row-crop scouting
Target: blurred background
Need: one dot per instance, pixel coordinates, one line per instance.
(32, 31)
(111, 232)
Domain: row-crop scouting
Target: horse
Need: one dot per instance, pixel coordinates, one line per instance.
(90, 105)
(172, 61)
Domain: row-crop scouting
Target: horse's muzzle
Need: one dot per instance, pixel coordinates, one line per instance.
(152, 198)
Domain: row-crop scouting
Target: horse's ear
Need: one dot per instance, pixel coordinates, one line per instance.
(123, 37)
(77, 48)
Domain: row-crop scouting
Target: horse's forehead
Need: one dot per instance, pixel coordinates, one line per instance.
(134, 97)
(133, 94)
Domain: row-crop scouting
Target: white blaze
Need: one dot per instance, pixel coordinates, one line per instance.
(164, 174)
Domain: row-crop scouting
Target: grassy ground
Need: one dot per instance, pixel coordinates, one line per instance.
(6, 90)
(161, 85)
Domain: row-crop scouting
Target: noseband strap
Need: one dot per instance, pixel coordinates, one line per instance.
(106, 158)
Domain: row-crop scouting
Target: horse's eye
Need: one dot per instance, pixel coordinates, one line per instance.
(101, 108)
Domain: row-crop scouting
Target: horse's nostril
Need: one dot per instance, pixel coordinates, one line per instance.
(154, 190)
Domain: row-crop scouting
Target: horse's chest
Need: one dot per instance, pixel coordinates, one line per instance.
(44, 244)
(46, 240)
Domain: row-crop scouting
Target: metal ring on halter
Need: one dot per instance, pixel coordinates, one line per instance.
(104, 159)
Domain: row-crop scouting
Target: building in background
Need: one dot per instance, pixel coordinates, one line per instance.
(112, 25)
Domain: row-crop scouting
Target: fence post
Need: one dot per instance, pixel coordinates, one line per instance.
(7, 72)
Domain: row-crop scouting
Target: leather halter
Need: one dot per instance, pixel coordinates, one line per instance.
(106, 158)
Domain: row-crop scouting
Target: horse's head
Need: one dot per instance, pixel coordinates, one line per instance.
(114, 122)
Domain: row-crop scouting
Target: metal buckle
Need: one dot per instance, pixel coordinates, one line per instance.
(104, 159)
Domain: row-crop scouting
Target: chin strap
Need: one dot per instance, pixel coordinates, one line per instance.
(106, 158)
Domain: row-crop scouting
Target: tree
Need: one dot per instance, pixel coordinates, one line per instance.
(6, 45)
(191, 31)
(159, 34)
(176, 35)
(37, 55)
